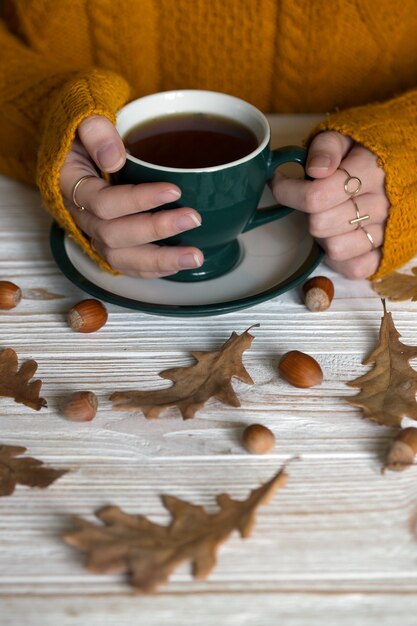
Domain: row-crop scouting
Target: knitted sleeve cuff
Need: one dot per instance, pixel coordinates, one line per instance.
(97, 92)
(389, 130)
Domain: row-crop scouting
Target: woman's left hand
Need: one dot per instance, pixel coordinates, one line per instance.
(349, 250)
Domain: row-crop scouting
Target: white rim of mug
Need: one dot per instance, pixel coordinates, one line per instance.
(188, 92)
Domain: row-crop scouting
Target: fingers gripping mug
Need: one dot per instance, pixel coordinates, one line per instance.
(216, 148)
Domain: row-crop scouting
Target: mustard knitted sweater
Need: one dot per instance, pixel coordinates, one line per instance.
(356, 60)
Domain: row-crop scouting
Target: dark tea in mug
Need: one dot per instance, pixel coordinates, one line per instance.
(190, 140)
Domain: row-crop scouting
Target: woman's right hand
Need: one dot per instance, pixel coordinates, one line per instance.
(116, 217)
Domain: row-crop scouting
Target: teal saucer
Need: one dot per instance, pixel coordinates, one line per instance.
(275, 258)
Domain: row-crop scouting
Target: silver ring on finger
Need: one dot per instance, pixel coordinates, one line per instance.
(359, 218)
(80, 207)
(348, 183)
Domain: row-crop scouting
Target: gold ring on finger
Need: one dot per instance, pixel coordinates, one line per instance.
(359, 218)
(80, 207)
(349, 179)
(370, 238)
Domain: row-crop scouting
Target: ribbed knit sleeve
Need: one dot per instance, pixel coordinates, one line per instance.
(96, 92)
(41, 107)
(389, 130)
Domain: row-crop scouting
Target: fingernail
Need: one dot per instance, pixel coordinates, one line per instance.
(110, 158)
(169, 195)
(187, 222)
(320, 162)
(188, 261)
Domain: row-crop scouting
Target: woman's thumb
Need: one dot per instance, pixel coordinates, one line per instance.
(102, 142)
(326, 152)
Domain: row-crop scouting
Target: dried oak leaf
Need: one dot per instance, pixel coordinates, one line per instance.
(14, 383)
(193, 386)
(397, 286)
(388, 390)
(25, 471)
(148, 553)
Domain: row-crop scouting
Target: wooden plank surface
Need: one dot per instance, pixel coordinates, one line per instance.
(334, 547)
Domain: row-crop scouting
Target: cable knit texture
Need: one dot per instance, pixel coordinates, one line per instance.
(354, 60)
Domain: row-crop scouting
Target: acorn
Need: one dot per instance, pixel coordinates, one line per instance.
(258, 439)
(80, 406)
(300, 369)
(87, 316)
(318, 293)
(10, 295)
(402, 450)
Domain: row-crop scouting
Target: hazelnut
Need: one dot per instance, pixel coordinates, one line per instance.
(10, 295)
(402, 451)
(318, 293)
(300, 369)
(87, 316)
(80, 406)
(258, 439)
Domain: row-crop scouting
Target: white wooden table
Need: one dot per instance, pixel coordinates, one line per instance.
(333, 547)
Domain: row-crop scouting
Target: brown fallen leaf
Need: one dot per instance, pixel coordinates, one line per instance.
(193, 386)
(388, 390)
(397, 286)
(14, 383)
(25, 471)
(148, 553)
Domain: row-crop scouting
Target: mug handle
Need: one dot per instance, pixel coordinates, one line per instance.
(286, 154)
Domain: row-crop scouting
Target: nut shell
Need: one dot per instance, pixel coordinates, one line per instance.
(258, 439)
(318, 293)
(80, 406)
(87, 316)
(300, 369)
(10, 295)
(402, 452)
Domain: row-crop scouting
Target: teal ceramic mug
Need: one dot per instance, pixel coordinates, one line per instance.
(226, 195)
